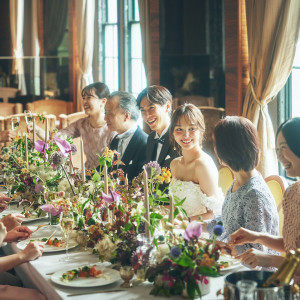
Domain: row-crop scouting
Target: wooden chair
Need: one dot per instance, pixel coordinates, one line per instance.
(23, 126)
(7, 109)
(50, 106)
(211, 117)
(196, 100)
(225, 178)
(277, 186)
(7, 92)
(66, 120)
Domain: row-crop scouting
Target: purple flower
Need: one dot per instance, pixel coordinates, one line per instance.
(51, 209)
(193, 230)
(40, 146)
(154, 165)
(38, 188)
(113, 197)
(218, 230)
(57, 158)
(63, 145)
(175, 252)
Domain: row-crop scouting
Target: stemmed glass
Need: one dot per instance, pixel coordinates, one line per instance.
(14, 123)
(28, 116)
(66, 222)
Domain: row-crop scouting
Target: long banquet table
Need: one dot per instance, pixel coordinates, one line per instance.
(35, 274)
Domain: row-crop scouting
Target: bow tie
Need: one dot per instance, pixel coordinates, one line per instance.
(159, 140)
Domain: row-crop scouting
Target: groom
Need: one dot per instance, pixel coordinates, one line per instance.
(155, 103)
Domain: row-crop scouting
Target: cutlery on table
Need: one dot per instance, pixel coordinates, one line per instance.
(95, 292)
(39, 227)
(50, 236)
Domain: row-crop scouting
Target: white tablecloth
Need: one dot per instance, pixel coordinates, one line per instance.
(33, 275)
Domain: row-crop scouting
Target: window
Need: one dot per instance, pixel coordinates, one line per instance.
(295, 79)
(121, 51)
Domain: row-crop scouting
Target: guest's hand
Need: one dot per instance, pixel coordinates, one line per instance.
(3, 202)
(243, 236)
(18, 233)
(255, 258)
(3, 233)
(7, 135)
(12, 220)
(32, 251)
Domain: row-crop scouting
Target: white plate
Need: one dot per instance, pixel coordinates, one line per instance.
(47, 248)
(233, 263)
(32, 218)
(113, 276)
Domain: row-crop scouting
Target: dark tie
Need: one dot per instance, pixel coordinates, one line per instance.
(157, 141)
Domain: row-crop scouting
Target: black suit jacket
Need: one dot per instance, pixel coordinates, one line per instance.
(167, 153)
(135, 154)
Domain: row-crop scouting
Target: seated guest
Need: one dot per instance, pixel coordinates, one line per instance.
(3, 202)
(121, 115)
(248, 202)
(194, 174)
(92, 129)
(7, 135)
(288, 153)
(31, 252)
(155, 103)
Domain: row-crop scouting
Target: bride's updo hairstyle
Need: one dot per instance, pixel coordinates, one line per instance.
(236, 143)
(191, 113)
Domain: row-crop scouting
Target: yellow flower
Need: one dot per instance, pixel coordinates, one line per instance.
(166, 175)
(24, 171)
(108, 153)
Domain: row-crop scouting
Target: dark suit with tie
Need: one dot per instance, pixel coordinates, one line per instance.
(134, 156)
(167, 153)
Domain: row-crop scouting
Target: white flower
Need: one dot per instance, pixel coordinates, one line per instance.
(138, 210)
(105, 248)
(162, 251)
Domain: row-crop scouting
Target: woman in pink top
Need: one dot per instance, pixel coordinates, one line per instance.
(288, 152)
(92, 129)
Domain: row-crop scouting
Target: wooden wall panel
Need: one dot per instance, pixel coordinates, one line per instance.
(236, 56)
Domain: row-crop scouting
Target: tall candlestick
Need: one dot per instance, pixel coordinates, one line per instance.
(105, 179)
(171, 217)
(26, 151)
(82, 160)
(46, 131)
(126, 180)
(33, 133)
(71, 164)
(146, 203)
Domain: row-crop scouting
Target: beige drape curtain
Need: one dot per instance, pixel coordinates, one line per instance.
(16, 10)
(84, 16)
(144, 10)
(273, 30)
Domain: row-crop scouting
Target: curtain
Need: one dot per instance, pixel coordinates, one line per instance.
(144, 10)
(273, 30)
(84, 16)
(16, 11)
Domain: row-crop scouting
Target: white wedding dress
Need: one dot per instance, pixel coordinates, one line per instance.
(196, 202)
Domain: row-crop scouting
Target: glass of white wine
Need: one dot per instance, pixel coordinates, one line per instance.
(66, 222)
(28, 116)
(14, 123)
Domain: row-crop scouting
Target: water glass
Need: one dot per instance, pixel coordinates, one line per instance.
(28, 116)
(14, 123)
(246, 289)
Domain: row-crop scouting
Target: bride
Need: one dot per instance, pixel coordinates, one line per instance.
(194, 174)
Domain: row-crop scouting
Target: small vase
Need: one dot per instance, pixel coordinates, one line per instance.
(126, 274)
(54, 220)
(140, 273)
(204, 286)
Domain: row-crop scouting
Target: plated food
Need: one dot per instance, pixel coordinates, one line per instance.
(227, 263)
(86, 276)
(55, 244)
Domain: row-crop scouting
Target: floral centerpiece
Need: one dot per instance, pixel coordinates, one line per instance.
(187, 263)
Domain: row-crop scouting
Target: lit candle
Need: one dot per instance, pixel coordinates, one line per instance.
(105, 179)
(82, 160)
(33, 133)
(146, 203)
(46, 131)
(171, 217)
(26, 151)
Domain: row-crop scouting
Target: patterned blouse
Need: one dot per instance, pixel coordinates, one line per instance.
(94, 139)
(253, 207)
(291, 224)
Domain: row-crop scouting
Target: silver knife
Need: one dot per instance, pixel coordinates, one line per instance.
(95, 292)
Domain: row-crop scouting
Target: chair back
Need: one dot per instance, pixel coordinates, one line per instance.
(7, 109)
(66, 120)
(211, 117)
(50, 106)
(8, 92)
(194, 99)
(225, 178)
(277, 186)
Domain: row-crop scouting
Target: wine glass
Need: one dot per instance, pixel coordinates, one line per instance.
(14, 123)
(9, 180)
(66, 222)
